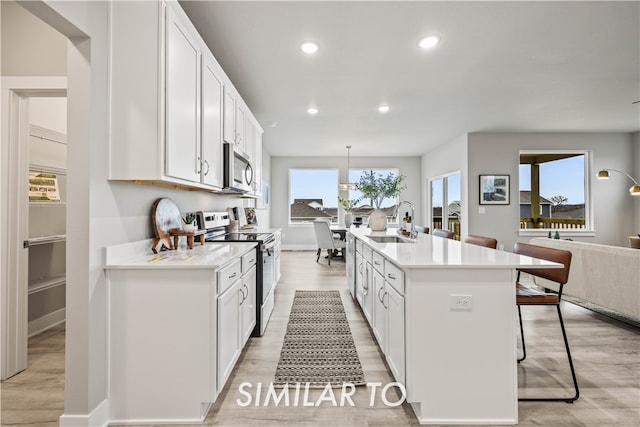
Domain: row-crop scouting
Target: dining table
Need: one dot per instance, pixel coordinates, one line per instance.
(340, 230)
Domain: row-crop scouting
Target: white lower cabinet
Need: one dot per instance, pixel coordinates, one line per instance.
(367, 291)
(359, 273)
(236, 312)
(350, 261)
(379, 289)
(248, 305)
(228, 331)
(395, 333)
(379, 321)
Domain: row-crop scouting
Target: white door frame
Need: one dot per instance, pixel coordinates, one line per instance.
(14, 226)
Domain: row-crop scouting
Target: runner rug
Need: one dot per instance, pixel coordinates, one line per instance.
(318, 347)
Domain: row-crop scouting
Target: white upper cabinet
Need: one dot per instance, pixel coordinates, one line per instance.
(212, 92)
(236, 121)
(182, 105)
(241, 123)
(171, 103)
(229, 115)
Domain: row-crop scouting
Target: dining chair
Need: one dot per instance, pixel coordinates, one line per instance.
(487, 242)
(443, 233)
(326, 239)
(527, 296)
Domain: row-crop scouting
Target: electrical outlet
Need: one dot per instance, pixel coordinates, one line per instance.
(461, 302)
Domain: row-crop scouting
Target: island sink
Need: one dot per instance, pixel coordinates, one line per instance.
(390, 239)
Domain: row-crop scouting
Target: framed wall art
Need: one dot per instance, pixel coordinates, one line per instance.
(494, 189)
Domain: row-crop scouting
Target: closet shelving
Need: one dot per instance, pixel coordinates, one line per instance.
(47, 230)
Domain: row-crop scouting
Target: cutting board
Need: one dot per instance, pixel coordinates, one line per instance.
(165, 217)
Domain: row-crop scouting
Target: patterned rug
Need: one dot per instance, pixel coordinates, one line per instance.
(318, 347)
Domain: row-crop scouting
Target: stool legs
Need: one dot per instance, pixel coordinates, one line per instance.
(573, 372)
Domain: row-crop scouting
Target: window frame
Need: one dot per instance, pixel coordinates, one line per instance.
(307, 224)
(589, 229)
(445, 198)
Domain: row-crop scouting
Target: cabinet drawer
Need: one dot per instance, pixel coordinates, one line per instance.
(394, 276)
(378, 262)
(248, 260)
(367, 254)
(228, 276)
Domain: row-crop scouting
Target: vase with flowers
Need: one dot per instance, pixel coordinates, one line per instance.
(377, 188)
(348, 206)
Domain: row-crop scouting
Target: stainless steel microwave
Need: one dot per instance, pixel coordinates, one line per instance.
(238, 170)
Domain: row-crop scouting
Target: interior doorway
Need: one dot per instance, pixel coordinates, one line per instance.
(35, 294)
(34, 118)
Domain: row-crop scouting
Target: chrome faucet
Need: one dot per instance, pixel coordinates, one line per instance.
(413, 234)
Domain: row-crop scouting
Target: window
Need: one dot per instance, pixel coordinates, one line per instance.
(313, 194)
(365, 206)
(554, 190)
(445, 191)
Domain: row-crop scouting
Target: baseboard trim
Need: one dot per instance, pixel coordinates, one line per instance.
(45, 322)
(98, 417)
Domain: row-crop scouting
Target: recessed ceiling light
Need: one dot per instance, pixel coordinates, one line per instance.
(309, 47)
(312, 110)
(271, 124)
(383, 108)
(429, 41)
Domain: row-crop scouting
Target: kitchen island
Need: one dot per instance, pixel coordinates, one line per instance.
(444, 315)
(178, 321)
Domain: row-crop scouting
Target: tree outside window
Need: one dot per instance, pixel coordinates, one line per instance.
(366, 206)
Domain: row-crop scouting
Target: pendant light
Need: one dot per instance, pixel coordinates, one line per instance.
(346, 186)
(635, 188)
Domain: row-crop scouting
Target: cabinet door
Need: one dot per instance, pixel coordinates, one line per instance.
(257, 162)
(248, 305)
(228, 331)
(359, 279)
(182, 149)
(395, 333)
(379, 324)
(350, 265)
(367, 291)
(212, 93)
(229, 113)
(241, 121)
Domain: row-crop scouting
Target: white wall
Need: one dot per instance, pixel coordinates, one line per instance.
(443, 160)
(49, 113)
(498, 153)
(40, 51)
(302, 236)
(264, 215)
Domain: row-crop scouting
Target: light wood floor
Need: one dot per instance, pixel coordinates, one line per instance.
(606, 356)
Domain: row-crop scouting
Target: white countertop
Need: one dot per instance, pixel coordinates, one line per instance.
(429, 251)
(138, 255)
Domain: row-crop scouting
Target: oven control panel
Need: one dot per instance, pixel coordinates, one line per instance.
(209, 220)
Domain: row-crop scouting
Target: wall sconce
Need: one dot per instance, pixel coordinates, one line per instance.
(635, 188)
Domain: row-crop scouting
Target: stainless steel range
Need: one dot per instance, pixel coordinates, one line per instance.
(216, 225)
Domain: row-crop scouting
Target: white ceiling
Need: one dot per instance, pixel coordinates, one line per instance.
(501, 66)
